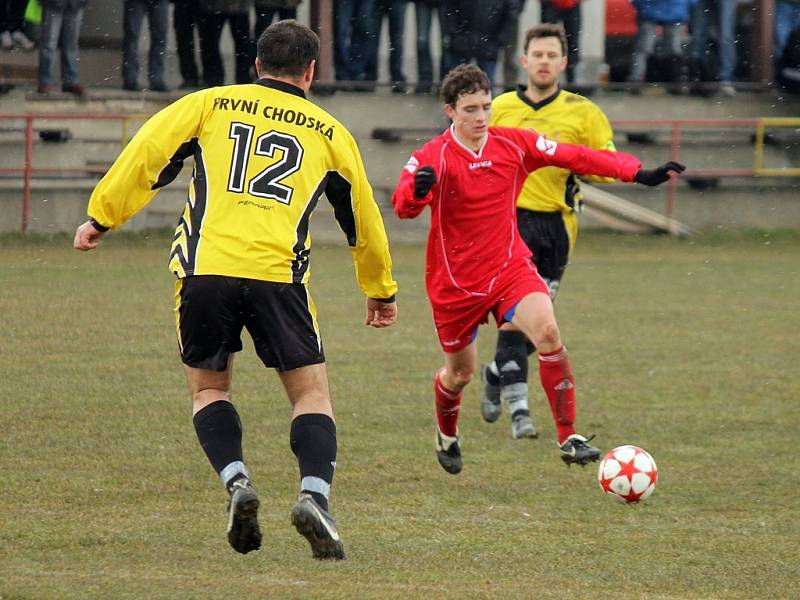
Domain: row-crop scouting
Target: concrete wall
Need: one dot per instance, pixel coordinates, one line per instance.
(60, 205)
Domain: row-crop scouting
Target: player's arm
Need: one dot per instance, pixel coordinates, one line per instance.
(153, 158)
(598, 134)
(414, 191)
(358, 215)
(539, 152)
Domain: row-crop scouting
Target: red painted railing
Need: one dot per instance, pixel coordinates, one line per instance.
(674, 126)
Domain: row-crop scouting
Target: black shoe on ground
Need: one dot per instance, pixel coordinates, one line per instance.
(448, 451)
(318, 527)
(577, 450)
(244, 534)
(76, 89)
(131, 87)
(159, 86)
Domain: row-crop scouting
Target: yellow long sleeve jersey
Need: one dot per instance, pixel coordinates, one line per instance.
(563, 117)
(263, 156)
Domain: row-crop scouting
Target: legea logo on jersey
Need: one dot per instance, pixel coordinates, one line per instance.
(546, 146)
(480, 165)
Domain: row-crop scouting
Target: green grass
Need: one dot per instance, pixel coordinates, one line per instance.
(688, 348)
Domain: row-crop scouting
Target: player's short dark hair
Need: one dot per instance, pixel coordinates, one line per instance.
(286, 48)
(546, 30)
(464, 79)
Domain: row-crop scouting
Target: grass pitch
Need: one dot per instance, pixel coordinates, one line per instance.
(688, 348)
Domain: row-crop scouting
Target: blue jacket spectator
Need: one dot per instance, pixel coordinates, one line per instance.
(664, 11)
(671, 15)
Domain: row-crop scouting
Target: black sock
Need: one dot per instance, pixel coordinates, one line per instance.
(220, 433)
(491, 377)
(512, 364)
(511, 357)
(313, 441)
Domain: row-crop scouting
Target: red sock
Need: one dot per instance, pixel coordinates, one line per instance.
(559, 385)
(448, 404)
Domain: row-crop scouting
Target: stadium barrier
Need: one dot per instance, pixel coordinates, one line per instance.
(55, 134)
(761, 129)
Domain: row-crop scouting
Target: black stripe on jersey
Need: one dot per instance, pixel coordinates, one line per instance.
(281, 86)
(175, 164)
(536, 105)
(338, 193)
(191, 229)
(301, 251)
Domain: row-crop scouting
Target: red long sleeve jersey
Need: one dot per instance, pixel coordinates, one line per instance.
(473, 234)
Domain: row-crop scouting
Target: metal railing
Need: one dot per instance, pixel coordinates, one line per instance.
(676, 127)
(28, 169)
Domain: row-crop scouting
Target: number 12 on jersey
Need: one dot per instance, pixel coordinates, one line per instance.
(267, 183)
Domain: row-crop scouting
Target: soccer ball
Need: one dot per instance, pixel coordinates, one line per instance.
(628, 474)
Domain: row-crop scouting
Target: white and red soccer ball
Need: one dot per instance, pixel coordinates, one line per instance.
(628, 474)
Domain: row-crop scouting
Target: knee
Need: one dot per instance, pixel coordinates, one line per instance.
(462, 375)
(202, 397)
(549, 337)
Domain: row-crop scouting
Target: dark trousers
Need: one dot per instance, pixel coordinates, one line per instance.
(157, 12)
(571, 19)
(352, 28)
(265, 15)
(185, 21)
(11, 14)
(395, 10)
(210, 28)
(424, 19)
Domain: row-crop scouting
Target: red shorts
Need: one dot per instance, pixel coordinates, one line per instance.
(457, 322)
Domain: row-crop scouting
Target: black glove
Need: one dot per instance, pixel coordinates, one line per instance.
(424, 179)
(658, 175)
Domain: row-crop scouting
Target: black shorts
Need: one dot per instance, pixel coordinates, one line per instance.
(211, 311)
(547, 237)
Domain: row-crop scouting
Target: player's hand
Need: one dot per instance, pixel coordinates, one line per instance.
(87, 237)
(424, 179)
(381, 314)
(658, 175)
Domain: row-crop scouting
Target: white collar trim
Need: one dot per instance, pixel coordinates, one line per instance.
(470, 150)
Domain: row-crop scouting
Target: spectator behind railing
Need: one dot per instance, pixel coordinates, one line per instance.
(352, 28)
(11, 24)
(213, 16)
(395, 12)
(510, 56)
(671, 15)
(423, 16)
(723, 13)
(788, 75)
(568, 13)
(478, 29)
(787, 19)
(157, 12)
(267, 10)
(61, 19)
(185, 20)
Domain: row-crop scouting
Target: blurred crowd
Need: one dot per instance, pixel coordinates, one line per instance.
(676, 40)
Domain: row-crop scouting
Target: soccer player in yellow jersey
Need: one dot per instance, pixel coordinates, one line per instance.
(546, 206)
(263, 157)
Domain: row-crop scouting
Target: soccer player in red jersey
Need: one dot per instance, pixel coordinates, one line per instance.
(476, 262)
